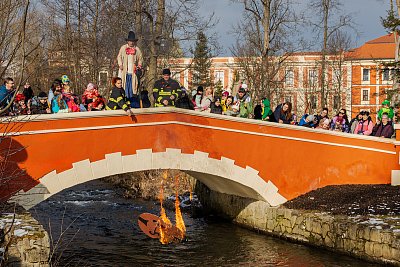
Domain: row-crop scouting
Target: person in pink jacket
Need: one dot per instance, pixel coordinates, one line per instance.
(365, 125)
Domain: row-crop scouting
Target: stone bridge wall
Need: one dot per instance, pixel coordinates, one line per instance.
(355, 236)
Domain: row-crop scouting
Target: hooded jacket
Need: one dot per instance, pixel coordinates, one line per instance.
(267, 110)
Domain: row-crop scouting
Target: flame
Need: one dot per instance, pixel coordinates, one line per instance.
(169, 233)
(180, 224)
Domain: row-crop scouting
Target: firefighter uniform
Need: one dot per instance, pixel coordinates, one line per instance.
(118, 100)
(164, 89)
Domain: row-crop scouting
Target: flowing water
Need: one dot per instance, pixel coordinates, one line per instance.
(99, 228)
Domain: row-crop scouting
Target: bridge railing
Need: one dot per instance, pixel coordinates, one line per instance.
(166, 110)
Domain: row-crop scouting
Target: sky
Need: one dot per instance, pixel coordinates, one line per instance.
(366, 15)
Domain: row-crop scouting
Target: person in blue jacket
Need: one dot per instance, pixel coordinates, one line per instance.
(6, 92)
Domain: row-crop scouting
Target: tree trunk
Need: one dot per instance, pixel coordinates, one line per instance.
(265, 77)
(156, 35)
(326, 6)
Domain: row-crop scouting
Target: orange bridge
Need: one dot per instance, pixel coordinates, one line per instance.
(249, 158)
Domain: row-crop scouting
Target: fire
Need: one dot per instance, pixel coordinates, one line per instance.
(180, 224)
(168, 232)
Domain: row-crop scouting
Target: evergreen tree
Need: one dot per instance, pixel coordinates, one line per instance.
(218, 89)
(392, 23)
(201, 62)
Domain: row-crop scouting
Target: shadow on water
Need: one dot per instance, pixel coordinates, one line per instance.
(104, 232)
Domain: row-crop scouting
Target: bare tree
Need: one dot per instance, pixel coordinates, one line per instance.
(330, 20)
(266, 38)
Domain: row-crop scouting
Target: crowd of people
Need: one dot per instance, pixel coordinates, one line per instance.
(125, 95)
(167, 92)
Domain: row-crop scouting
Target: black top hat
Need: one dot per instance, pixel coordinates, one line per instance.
(131, 36)
(166, 72)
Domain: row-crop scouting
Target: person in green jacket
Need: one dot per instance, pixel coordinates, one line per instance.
(245, 104)
(267, 114)
(386, 109)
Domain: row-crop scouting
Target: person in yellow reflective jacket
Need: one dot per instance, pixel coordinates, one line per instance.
(117, 98)
(166, 90)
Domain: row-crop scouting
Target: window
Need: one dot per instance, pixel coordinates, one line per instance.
(385, 74)
(288, 98)
(312, 77)
(241, 75)
(313, 102)
(289, 78)
(219, 76)
(196, 78)
(365, 75)
(336, 102)
(365, 95)
(103, 77)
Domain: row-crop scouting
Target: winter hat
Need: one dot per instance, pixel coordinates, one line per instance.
(166, 72)
(90, 86)
(241, 90)
(225, 93)
(19, 97)
(217, 99)
(42, 95)
(65, 79)
(386, 102)
(310, 118)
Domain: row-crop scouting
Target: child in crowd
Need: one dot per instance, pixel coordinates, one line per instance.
(40, 104)
(58, 104)
(89, 94)
(224, 96)
(70, 99)
(216, 107)
(365, 126)
(339, 122)
(19, 106)
(197, 98)
(97, 105)
(324, 124)
(386, 109)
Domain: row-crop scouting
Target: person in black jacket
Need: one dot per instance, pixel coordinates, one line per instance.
(166, 90)
(283, 113)
(40, 105)
(216, 107)
(28, 92)
(118, 99)
(184, 101)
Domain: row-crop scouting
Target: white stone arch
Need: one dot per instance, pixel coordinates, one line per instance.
(220, 175)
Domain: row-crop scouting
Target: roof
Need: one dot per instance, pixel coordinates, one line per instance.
(383, 47)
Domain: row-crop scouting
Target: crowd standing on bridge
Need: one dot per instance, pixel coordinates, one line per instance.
(167, 92)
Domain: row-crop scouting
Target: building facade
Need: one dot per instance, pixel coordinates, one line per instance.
(371, 74)
(356, 80)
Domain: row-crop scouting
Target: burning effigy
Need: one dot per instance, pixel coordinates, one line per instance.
(160, 226)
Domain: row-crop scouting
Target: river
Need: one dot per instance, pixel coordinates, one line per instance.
(100, 228)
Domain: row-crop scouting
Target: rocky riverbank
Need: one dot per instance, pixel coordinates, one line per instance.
(23, 241)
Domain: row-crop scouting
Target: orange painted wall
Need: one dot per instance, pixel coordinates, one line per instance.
(294, 166)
